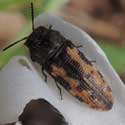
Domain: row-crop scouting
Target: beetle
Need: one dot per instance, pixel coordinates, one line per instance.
(68, 66)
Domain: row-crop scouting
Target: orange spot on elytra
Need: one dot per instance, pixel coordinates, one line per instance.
(95, 81)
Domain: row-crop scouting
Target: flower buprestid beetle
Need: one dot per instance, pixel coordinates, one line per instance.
(68, 66)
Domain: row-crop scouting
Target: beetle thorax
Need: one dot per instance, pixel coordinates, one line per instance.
(43, 42)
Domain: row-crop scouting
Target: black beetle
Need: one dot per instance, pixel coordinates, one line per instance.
(68, 66)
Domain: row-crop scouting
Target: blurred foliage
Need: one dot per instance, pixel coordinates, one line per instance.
(40, 5)
(5, 56)
(115, 54)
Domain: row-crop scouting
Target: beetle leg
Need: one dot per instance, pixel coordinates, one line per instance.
(60, 91)
(44, 74)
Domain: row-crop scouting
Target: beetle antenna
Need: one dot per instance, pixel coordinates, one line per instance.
(32, 15)
(14, 43)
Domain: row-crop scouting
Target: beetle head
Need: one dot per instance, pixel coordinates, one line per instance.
(42, 42)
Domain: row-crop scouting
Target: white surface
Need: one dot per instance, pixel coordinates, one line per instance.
(18, 84)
